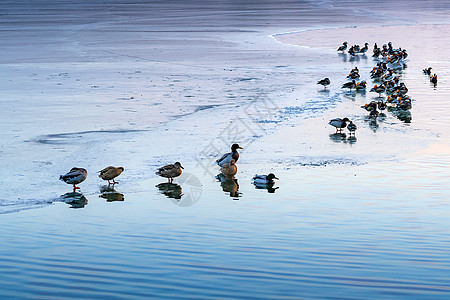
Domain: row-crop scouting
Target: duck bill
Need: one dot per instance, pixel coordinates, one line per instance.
(240, 147)
(276, 178)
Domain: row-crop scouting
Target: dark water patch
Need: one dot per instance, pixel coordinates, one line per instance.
(247, 79)
(204, 107)
(65, 138)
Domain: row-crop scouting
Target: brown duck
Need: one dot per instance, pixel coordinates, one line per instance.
(170, 171)
(109, 173)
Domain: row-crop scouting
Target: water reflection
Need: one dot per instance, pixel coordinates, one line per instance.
(110, 194)
(269, 187)
(343, 56)
(341, 137)
(324, 91)
(402, 115)
(74, 199)
(171, 190)
(229, 185)
(355, 58)
(338, 137)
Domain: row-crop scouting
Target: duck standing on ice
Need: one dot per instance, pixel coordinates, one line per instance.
(109, 173)
(324, 82)
(170, 171)
(227, 157)
(351, 127)
(74, 176)
(342, 47)
(433, 80)
(339, 123)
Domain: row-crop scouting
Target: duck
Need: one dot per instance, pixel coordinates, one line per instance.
(109, 173)
(382, 105)
(361, 85)
(326, 81)
(227, 157)
(370, 106)
(264, 179)
(365, 48)
(349, 85)
(342, 47)
(351, 127)
(229, 170)
(378, 89)
(402, 88)
(352, 51)
(170, 171)
(427, 71)
(74, 176)
(339, 123)
(353, 75)
(433, 80)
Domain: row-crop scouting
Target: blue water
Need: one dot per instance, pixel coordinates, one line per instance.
(362, 217)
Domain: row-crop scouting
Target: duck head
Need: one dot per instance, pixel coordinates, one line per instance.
(178, 165)
(234, 147)
(271, 176)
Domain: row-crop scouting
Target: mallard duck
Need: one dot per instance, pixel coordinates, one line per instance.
(365, 48)
(324, 82)
(427, 71)
(349, 85)
(351, 127)
(229, 170)
(170, 171)
(109, 173)
(339, 123)
(227, 157)
(264, 179)
(74, 176)
(342, 47)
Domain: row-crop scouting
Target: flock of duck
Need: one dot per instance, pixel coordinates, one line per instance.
(227, 164)
(386, 77)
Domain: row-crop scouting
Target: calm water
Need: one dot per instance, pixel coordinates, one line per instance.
(350, 218)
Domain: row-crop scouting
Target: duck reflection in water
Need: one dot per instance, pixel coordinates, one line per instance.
(338, 137)
(171, 190)
(110, 194)
(343, 56)
(402, 115)
(74, 199)
(343, 138)
(229, 185)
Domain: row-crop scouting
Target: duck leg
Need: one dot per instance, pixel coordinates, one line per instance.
(75, 188)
